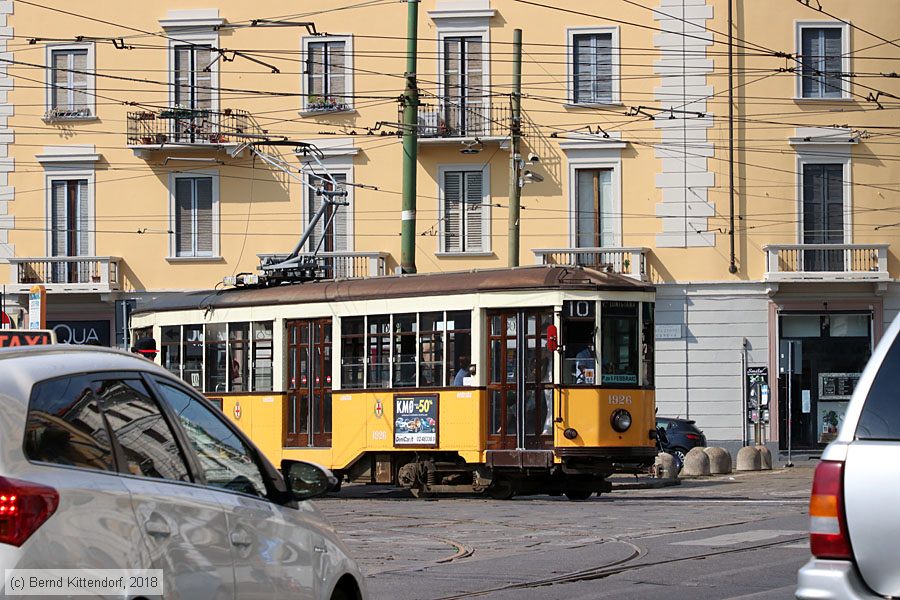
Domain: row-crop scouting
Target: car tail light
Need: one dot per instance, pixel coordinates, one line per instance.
(827, 526)
(692, 436)
(24, 507)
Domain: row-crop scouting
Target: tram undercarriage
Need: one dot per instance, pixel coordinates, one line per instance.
(505, 473)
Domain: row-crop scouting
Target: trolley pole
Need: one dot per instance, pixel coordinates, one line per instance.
(410, 101)
(515, 158)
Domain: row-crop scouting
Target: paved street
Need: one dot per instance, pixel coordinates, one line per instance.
(742, 536)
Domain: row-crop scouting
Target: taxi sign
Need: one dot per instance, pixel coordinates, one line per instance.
(14, 338)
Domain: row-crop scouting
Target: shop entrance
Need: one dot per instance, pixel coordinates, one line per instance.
(829, 353)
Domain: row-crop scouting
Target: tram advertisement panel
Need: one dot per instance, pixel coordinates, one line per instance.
(416, 420)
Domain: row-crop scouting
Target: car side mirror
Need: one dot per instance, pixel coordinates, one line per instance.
(306, 480)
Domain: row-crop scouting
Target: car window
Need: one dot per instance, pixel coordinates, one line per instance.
(227, 462)
(139, 427)
(880, 418)
(65, 426)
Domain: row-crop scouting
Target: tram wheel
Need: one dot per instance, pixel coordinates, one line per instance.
(503, 490)
(578, 495)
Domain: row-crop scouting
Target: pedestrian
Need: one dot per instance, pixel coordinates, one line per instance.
(146, 347)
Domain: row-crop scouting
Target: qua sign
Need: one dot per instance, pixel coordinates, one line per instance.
(81, 333)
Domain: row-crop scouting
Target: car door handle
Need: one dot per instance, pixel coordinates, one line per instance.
(241, 538)
(157, 528)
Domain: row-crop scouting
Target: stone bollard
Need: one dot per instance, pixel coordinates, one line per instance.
(748, 459)
(665, 467)
(696, 463)
(765, 458)
(719, 461)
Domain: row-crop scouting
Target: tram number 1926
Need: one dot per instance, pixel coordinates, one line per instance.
(620, 399)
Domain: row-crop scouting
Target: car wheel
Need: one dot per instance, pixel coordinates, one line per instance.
(679, 454)
(502, 490)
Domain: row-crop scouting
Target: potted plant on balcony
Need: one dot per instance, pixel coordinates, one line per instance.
(317, 103)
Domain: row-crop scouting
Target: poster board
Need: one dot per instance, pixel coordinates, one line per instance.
(416, 420)
(837, 386)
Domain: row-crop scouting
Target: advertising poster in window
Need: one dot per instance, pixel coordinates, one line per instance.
(416, 420)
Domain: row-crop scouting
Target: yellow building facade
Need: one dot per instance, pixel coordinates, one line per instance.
(769, 228)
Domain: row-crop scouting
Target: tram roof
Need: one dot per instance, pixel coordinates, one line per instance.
(541, 277)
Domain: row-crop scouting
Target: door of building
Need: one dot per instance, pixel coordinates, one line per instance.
(308, 419)
(520, 388)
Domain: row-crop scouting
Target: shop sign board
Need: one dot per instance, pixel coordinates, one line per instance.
(416, 420)
(81, 333)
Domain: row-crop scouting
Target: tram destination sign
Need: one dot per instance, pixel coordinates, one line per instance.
(416, 420)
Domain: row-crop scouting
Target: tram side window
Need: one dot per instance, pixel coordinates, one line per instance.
(579, 328)
(648, 348)
(215, 345)
(192, 368)
(379, 345)
(405, 334)
(170, 350)
(619, 342)
(431, 348)
(239, 357)
(459, 342)
(262, 356)
(353, 352)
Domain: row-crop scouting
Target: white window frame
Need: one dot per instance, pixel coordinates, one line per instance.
(216, 247)
(91, 89)
(486, 206)
(338, 156)
(200, 39)
(64, 173)
(571, 32)
(307, 194)
(799, 26)
(589, 154)
(832, 154)
(348, 73)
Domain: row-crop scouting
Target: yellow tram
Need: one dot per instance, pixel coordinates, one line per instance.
(509, 381)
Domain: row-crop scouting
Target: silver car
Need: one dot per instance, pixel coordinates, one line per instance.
(109, 462)
(854, 520)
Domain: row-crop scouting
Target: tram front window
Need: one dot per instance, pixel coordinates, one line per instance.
(620, 342)
(580, 356)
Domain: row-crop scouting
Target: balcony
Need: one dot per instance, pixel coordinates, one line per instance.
(630, 262)
(448, 122)
(342, 265)
(190, 128)
(826, 262)
(82, 274)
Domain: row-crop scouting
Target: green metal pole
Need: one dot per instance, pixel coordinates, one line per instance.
(410, 144)
(515, 188)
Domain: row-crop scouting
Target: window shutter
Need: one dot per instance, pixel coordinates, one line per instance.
(60, 76)
(603, 72)
(833, 63)
(315, 69)
(183, 75)
(811, 59)
(607, 218)
(585, 216)
(204, 216)
(184, 212)
(84, 231)
(452, 211)
(475, 227)
(337, 72)
(203, 92)
(79, 80)
(583, 62)
(339, 227)
(813, 193)
(58, 219)
(834, 204)
(313, 203)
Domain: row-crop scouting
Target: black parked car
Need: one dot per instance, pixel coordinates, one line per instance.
(681, 436)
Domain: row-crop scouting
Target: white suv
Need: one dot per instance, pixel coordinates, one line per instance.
(854, 519)
(109, 462)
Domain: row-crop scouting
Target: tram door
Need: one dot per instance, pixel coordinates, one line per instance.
(308, 419)
(520, 390)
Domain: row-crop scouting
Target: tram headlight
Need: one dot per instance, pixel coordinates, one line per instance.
(621, 420)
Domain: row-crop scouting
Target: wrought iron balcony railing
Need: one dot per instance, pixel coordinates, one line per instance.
(450, 120)
(72, 273)
(631, 262)
(342, 265)
(826, 262)
(195, 127)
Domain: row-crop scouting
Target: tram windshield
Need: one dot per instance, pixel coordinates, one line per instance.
(620, 343)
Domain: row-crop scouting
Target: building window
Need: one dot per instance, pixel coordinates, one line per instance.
(594, 221)
(335, 238)
(70, 232)
(327, 75)
(823, 215)
(822, 57)
(71, 83)
(464, 79)
(195, 209)
(592, 68)
(464, 213)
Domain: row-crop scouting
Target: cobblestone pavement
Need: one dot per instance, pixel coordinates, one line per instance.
(737, 536)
